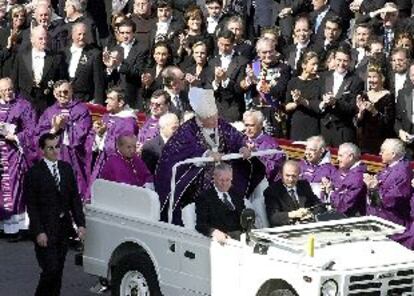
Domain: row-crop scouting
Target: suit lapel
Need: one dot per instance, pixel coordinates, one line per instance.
(329, 82)
(409, 103)
(232, 66)
(48, 174)
(344, 85)
(27, 59)
(83, 56)
(47, 65)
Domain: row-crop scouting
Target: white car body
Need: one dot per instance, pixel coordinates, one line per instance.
(354, 253)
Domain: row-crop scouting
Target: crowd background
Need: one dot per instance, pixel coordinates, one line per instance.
(341, 69)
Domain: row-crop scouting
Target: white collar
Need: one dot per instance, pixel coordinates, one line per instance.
(302, 45)
(125, 113)
(38, 53)
(227, 56)
(337, 74)
(50, 163)
(355, 165)
(395, 162)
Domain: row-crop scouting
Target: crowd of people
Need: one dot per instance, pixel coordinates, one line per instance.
(213, 77)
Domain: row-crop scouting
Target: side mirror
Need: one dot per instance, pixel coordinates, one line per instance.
(247, 220)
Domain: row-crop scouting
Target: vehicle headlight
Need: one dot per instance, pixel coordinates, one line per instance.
(329, 288)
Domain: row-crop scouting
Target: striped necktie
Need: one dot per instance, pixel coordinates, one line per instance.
(227, 202)
(55, 173)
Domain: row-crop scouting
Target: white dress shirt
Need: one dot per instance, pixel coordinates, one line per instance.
(76, 53)
(399, 83)
(338, 79)
(38, 62)
(162, 27)
(127, 48)
(212, 23)
(50, 165)
(221, 196)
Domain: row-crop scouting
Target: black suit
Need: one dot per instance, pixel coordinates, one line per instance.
(404, 111)
(279, 203)
(89, 80)
(319, 34)
(212, 213)
(50, 210)
(130, 72)
(230, 100)
(40, 95)
(337, 122)
(151, 152)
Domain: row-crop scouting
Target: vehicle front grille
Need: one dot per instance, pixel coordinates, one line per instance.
(388, 283)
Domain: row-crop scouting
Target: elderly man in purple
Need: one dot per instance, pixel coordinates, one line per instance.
(159, 105)
(346, 190)
(120, 119)
(17, 151)
(203, 135)
(70, 119)
(257, 140)
(317, 163)
(389, 192)
(125, 166)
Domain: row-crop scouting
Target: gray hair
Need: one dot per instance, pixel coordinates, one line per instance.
(293, 163)
(223, 166)
(317, 139)
(87, 31)
(352, 148)
(77, 4)
(262, 42)
(396, 146)
(258, 115)
(167, 119)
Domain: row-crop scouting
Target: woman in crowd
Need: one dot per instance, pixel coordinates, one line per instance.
(376, 112)
(303, 98)
(198, 72)
(151, 78)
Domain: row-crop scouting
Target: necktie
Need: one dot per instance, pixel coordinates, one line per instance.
(227, 202)
(55, 173)
(293, 196)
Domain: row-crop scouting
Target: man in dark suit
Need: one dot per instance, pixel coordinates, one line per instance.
(135, 54)
(288, 200)
(229, 69)
(218, 208)
(151, 150)
(86, 70)
(37, 69)
(50, 190)
(338, 107)
(321, 12)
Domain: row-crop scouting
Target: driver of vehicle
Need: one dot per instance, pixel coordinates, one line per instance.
(289, 200)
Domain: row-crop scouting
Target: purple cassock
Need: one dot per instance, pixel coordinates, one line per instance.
(273, 163)
(407, 237)
(129, 171)
(149, 130)
(73, 139)
(189, 141)
(15, 158)
(394, 193)
(313, 173)
(122, 123)
(349, 195)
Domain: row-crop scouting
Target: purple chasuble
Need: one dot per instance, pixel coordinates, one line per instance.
(16, 157)
(149, 130)
(73, 139)
(187, 142)
(349, 195)
(122, 123)
(273, 163)
(394, 188)
(129, 171)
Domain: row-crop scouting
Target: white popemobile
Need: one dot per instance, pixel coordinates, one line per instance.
(139, 255)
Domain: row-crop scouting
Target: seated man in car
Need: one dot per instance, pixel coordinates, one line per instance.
(218, 209)
(289, 200)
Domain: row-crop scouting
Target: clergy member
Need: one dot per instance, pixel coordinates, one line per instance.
(70, 120)
(125, 166)
(204, 135)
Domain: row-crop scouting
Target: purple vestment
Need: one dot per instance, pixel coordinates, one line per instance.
(313, 173)
(122, 123)
(73, 138)
(187, 142)
(129, 171)
(16, 157)
(273, 163)
(149, 130)
(407, 238)
(349, 195)
(394, 189)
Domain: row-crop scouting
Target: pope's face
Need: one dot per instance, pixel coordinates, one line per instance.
(209, 122)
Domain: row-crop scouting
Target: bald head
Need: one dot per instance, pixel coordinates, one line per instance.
(6, 89)
(290, 173)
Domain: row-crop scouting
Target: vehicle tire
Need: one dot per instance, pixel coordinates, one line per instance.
(134, 275)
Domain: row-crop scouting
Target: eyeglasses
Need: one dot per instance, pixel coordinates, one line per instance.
(51, 148)
(63, 92)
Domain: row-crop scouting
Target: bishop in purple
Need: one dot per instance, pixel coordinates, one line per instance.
(17, 152)
(70, 119)
(257, 140)
(119, 120)
(390, 191)
(125, 166)
(346, 189)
